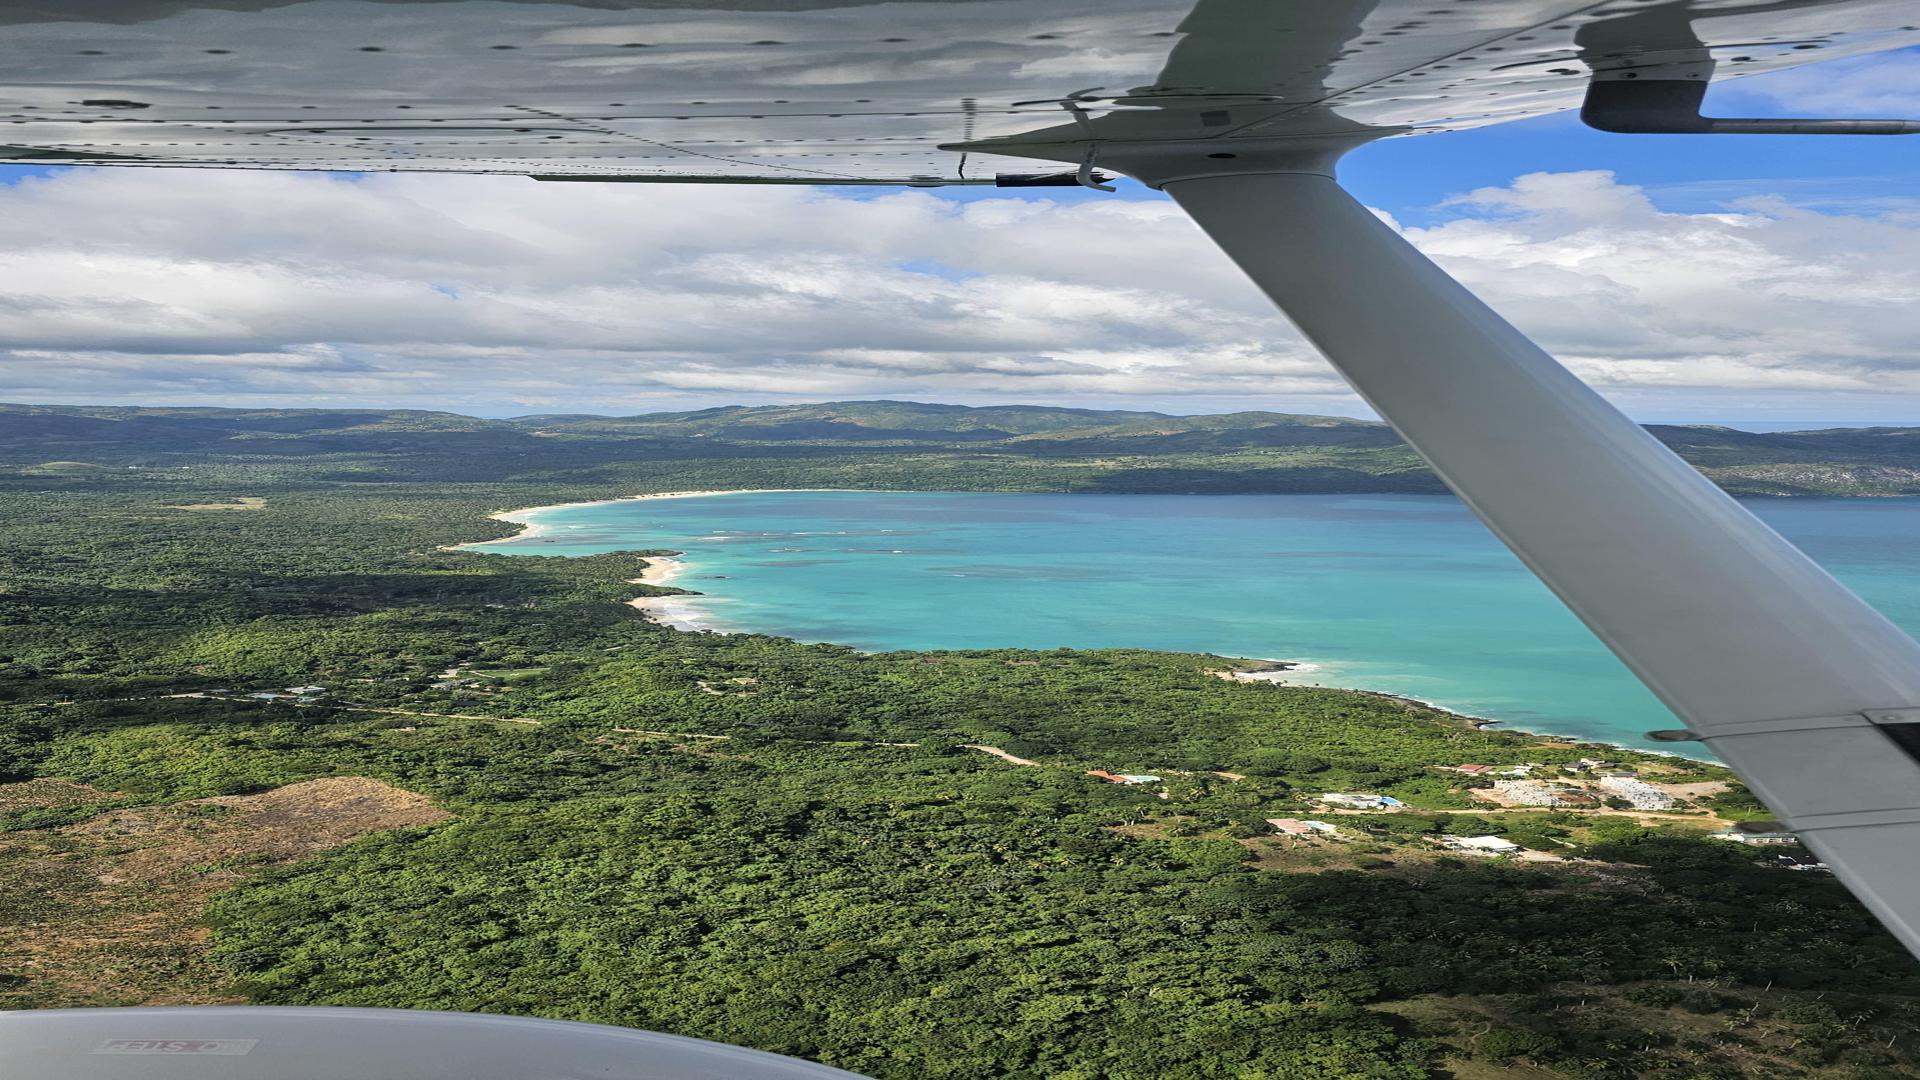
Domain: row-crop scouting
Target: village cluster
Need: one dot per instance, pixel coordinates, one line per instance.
(1590, 785)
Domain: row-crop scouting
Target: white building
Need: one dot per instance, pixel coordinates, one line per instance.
(1138, 778)
(1744, 836)
(1357, 801)
(1485, 845)
(1642, 795)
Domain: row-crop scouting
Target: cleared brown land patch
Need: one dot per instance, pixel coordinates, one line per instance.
(1700, 790)
(999, 753)
(1297, 854)
(47, 795)
(245, 502)
(108, 911)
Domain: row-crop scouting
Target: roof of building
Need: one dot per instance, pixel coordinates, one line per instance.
(1747, 837)
(1485, 843)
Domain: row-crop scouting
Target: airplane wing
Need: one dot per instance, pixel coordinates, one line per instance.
(302, 1043)
(826, 91)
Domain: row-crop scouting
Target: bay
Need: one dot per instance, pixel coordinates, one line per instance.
(1404, 594)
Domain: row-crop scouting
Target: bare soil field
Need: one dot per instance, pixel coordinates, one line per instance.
(108, 911)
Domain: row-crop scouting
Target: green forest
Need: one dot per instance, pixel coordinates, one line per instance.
(800, 847)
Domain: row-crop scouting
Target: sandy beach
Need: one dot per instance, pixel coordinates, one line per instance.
(681, 611)
(661, 569)
(531, 529)
(1289, 672)
(1269, 671)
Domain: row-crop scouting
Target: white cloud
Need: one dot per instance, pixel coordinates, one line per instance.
(503, 295)
(1882, 85)
(1764, 296)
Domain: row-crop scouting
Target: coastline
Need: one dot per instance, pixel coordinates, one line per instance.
(688, 611)
(1268, 671)
(1283, 672)
(661, 569)
(531, 529)
(681, 611)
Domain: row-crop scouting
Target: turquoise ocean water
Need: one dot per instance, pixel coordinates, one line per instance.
(1404, 594)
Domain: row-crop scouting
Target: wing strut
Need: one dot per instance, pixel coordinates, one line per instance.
(1788, 676)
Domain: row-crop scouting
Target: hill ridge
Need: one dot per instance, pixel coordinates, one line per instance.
(876, 443)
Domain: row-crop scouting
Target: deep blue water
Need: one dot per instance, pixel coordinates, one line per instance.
(1406, 594)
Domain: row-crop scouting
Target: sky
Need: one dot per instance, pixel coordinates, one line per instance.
(1756, 279)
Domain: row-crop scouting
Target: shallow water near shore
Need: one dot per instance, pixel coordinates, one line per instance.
(1406, 594)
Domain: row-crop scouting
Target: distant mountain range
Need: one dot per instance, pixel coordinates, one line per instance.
(1246, 451)
(828, 422)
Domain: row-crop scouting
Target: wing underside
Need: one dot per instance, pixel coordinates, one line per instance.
(819, 92)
